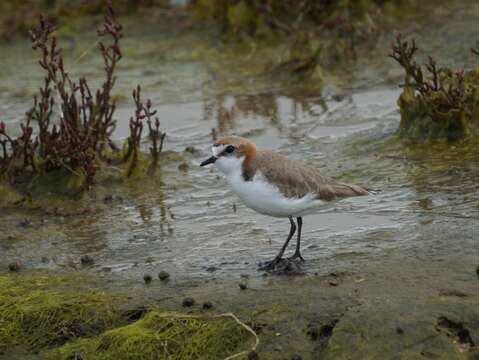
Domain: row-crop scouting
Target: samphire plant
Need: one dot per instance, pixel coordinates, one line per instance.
(66, 136)
(436, 103)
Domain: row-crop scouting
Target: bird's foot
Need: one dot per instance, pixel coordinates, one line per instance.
(297, 255)
(280, 266)
(270, 265)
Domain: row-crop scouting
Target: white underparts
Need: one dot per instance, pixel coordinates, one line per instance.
(262, 196)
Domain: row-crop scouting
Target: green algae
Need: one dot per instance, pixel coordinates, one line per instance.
(402, 335)
(60, 181)
(47, 310)
(161, 335)
(256, 18)
(18, 17)
(67, 316)
(392, 163)
(433, 117)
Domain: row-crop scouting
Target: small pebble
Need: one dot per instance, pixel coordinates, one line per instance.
(333, 283)
(296, 357)
(163, 275)
(183, 167)
(207, 305)
(108, 198)
(338, 97)
(15, 266)
(45, 260)
(313, 332)
(24, 223)
(147, 278)
(190, 149)
(399, 331)
(87, 260)
(242, 286)
(253, 355)
(278, 349)
(187, 302)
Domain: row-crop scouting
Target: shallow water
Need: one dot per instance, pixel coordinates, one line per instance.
(189, 222)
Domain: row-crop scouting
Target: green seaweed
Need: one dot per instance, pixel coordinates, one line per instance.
(160, 335)
(47, 310)
(65, 317)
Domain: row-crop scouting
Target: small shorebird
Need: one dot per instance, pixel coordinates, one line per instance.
(274, 185)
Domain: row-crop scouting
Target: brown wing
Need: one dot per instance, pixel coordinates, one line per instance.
(296, 179)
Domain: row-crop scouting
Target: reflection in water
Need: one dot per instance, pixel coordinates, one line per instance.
(227, 110)
(112, 222)
(230, 112)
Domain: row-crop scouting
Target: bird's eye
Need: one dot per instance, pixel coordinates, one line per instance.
(230, 149)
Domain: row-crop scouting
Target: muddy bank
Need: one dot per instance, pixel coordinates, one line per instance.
(403, 307)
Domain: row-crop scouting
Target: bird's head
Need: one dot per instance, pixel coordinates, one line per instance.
(231, 154)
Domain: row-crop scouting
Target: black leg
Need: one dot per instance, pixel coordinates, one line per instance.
(292, 230)
(271, 264)
(297, 253)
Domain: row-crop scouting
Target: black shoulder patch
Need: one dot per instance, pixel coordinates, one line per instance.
(248, 175)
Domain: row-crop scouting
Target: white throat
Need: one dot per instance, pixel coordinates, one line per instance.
(231, 166)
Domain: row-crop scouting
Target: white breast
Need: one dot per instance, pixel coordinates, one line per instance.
(262, 196)
(265, 198)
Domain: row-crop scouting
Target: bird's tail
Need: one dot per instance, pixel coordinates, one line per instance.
(347, 190)
(358, 190)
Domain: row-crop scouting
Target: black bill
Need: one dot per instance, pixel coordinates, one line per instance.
(210, 160)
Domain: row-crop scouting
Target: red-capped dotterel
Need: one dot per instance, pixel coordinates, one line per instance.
(274, 185)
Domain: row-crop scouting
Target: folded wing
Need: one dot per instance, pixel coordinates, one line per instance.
(296, 179)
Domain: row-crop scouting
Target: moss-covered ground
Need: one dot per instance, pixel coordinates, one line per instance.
(160, 336)
(70, 317)
(47, 310)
